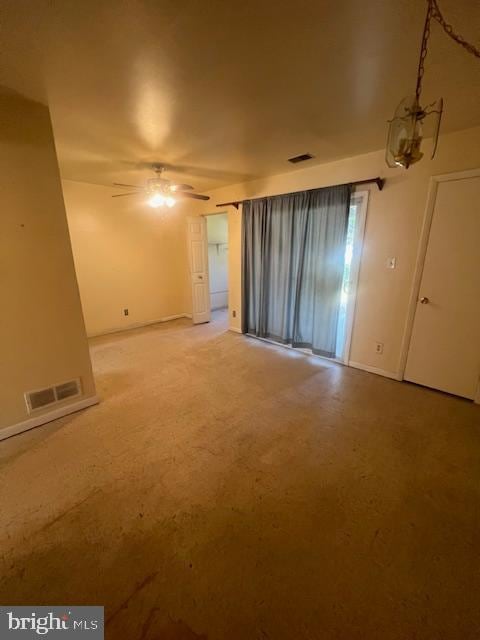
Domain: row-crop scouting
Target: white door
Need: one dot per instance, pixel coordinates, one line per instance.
(444, 349)
(198, 256)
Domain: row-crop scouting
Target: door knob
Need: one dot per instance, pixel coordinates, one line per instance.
(424, 300)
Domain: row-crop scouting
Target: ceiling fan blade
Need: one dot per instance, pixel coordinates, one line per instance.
(195, 196)
(181, 187)
(132, 193)
(120, 184)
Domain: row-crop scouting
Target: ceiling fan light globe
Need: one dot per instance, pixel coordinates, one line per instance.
(169, 201)
(157, 200)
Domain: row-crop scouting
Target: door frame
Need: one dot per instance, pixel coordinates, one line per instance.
(205, 247)
(362, 198)
(208, 215)
(421, 256)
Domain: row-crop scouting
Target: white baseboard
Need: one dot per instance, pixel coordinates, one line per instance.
(236, 329)
(138, 325)
(37, 421)
(174, 317)
(379, 372)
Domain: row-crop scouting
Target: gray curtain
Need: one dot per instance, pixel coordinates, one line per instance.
(293, 259)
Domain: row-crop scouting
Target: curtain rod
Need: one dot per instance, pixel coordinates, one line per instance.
(378, 181)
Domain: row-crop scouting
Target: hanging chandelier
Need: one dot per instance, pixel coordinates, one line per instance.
(411, 120)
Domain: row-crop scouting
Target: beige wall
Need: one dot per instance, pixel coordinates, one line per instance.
(42, 335)
(393, 228)
(127, 256)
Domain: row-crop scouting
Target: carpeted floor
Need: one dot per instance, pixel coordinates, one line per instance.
(228, 489)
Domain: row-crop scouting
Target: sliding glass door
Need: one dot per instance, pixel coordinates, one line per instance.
(351, 269)
(301, 260)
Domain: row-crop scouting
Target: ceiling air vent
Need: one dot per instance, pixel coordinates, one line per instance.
(52, 395)
(301, 158)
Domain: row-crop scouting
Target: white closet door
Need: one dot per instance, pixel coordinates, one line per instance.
(198, 256)
(444, 350)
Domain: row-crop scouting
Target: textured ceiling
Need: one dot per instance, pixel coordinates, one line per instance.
(228, 90)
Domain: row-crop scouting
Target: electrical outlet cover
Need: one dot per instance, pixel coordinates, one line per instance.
(379, 347)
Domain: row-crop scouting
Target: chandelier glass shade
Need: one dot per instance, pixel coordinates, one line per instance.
(410, 124)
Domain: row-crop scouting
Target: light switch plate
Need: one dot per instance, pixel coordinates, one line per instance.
(391, 263)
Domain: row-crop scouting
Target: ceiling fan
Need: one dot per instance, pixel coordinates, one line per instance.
(160, 191)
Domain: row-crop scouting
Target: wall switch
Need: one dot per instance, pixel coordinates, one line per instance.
(379, 347)
(234, 314)
(125, 312)
(391, 263)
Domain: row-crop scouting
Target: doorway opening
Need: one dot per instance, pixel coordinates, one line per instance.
(217, 241)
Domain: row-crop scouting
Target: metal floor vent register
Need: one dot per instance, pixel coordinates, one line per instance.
(52, 395)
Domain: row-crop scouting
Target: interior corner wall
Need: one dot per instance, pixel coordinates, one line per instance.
(127, 256)
(393, 228)
(42, 333)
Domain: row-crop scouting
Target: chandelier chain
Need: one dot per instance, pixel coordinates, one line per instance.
(433, 11)
(423, 51)
(437, 14)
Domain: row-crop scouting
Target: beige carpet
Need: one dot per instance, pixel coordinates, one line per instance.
(229, 489)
